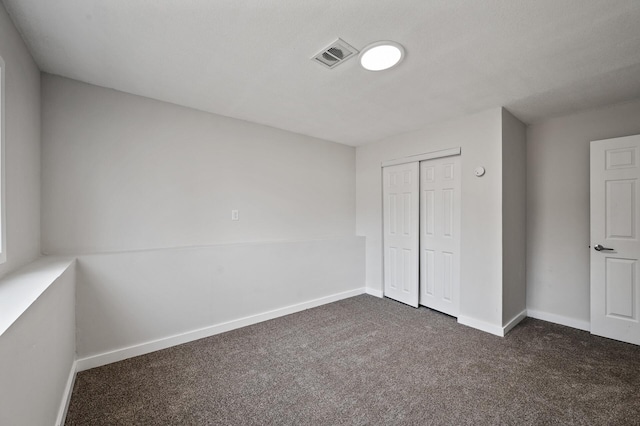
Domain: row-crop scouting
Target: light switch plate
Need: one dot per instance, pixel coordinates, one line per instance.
(235, 215)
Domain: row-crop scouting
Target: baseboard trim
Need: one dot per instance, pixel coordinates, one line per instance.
(373, 292)
(514, 321)
(559, 319)
(178, 339)
(66, 395)
(481, 325)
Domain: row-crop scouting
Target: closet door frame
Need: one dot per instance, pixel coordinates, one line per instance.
(421, 157)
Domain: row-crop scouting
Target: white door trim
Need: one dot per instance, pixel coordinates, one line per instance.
(421, 157)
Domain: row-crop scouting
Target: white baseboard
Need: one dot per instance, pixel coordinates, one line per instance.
(373, 292)
(559, 319)
(481, 325)
(514, 321)
(66, 396)
(167, 342)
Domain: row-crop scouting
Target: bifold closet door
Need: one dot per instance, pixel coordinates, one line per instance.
(440, 234)
(400, 217)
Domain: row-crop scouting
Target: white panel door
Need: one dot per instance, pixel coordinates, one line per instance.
(615, 254)
(400, 199)
(440, 234)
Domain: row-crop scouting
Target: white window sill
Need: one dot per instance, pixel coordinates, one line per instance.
(21, 288)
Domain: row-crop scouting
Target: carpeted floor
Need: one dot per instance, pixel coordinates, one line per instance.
(369, 361)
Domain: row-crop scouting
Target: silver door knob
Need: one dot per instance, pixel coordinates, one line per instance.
(599, 247)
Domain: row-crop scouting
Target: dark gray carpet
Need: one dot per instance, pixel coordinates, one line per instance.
(366, 360)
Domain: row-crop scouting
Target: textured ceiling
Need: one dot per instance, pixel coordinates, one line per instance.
(250, 59)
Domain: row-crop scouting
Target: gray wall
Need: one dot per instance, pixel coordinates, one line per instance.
(558, 208)
(480, 137)
(514, 216)
(123, 172)
(22, 148)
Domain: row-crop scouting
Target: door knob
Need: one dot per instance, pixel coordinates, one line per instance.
(599, 247)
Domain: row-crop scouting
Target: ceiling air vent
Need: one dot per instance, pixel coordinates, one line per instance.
(335, 54)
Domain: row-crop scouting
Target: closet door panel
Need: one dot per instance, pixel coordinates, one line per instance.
(440, 234)
(400, 221)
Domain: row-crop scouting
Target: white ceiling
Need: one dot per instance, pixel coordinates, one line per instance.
(250, 59)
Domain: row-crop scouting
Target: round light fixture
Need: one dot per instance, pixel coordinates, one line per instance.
(381, 55)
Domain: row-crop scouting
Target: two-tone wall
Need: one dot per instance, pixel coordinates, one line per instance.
(141, 191)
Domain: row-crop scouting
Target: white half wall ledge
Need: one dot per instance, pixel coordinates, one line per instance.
(89, 253)
(189, 336)
(559, 319)
(39, 346)
(20, 289)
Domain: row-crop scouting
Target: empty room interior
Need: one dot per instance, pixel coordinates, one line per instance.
(319, 212)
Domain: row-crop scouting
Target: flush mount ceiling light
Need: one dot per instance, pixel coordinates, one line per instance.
(381, 55)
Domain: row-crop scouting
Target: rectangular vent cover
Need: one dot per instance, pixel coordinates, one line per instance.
(335, 54)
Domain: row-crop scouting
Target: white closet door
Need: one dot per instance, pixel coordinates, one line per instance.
(400, 195)
(440, 234)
